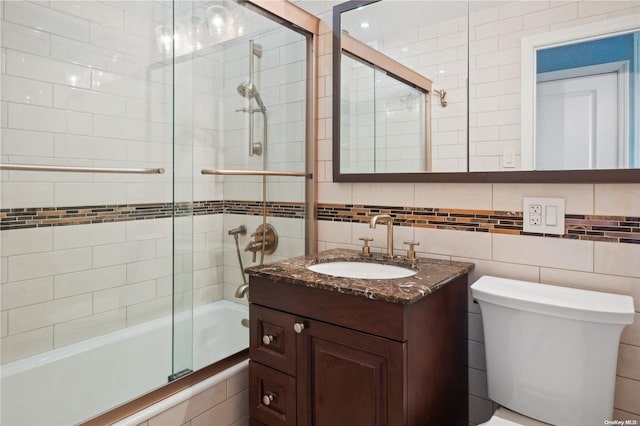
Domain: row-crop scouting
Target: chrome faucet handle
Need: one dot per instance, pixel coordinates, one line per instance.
(366, 250)
(411, 253)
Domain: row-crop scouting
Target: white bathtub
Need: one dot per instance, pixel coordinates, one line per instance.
(75, 382)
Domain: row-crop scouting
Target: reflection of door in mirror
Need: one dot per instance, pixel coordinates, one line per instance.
(583, 105)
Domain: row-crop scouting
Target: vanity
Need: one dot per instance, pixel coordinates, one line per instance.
(330, 351)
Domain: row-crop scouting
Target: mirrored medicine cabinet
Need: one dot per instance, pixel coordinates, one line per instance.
(486, 91)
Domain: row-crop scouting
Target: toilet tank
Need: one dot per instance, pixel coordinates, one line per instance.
(551, 351)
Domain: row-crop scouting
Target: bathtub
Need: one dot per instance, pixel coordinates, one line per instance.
(70, 384)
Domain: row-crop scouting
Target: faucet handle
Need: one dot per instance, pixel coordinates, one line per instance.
(411, 253)
(366, 250)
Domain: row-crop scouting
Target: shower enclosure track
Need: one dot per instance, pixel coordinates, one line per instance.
(72, 169)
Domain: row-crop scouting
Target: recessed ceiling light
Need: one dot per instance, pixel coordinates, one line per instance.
(364, 25)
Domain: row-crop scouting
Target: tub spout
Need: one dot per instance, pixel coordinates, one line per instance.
(242, 291)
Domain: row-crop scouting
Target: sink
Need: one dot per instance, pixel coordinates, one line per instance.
(363, 270)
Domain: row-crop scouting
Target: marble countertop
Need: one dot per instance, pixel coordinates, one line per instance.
(431, 275)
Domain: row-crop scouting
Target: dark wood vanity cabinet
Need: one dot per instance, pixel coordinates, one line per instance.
(323, 358)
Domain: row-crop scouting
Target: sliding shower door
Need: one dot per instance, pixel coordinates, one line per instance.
(97, 254)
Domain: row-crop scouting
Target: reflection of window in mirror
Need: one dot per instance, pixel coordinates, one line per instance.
(585, 98)
(383, 125)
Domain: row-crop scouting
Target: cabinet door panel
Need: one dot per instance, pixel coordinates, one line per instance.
(272, 396)
(272, 339)
(348, 378)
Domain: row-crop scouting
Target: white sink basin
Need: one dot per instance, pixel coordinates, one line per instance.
(363, 270)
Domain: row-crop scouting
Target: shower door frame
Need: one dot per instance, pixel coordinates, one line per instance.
(301, 21)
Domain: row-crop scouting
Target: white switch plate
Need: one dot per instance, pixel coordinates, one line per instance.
(543, 215)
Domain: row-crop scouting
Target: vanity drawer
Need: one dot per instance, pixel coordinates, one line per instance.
(272, 396)
(272, 338)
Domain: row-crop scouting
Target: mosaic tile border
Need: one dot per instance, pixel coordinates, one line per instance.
(614, 229)
(40, 217)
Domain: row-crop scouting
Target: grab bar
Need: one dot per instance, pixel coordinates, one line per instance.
(72, 169)
(251, 173)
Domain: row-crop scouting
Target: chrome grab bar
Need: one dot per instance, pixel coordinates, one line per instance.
(72, 169)
(251, 173)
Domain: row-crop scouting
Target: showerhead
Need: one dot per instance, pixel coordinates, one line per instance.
(249, 90)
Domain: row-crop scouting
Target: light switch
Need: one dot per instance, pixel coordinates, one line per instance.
(551, 216)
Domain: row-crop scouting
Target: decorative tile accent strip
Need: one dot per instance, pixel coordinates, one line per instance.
(615, 229)
(38, 217)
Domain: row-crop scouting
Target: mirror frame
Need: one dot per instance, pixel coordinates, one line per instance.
(524, 176)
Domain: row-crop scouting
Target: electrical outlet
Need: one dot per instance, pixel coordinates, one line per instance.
(543, 215)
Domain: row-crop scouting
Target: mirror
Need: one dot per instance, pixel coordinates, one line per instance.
(509, 51)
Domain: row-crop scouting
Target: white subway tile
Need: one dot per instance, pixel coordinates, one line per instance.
(73, 194)
(120, 128)
(148, 270)
(4, 329)
(551, 252)
(476, 245)
(31, 117)
(500, 269)
(22, 345)
(45, 69)
(85, 328)
(88, 281)
(91, 11)
(4, 115)
(453, 196)
(146, 311)
(28, 266)
(26, 241)
(24, 293)
(591, 281)
(627, 396)
(631, 333)
(88, 101)
(119, 41)
(26, 143)
(617, 259)
(49, 313)
(46, 19)
(149, 229)
(76, 52)
(617, 199)
(79, 123)
(26, 194)
(118, 254)
(478, 383)
(25, 39)
(123, 296)
(493, 29)
(551, 16)
(480, 410)
(386, 194)
(86, 147)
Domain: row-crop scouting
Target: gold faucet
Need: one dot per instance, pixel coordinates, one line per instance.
(389, 220)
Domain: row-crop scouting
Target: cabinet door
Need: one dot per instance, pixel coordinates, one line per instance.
(349, 378)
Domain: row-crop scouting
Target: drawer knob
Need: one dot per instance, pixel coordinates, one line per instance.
(266, 400)
(267, 339)
(298, 327)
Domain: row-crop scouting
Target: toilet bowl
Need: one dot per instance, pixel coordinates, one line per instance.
(551, 351)
(504, 417)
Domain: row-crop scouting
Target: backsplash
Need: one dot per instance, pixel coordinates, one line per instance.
(613, 229)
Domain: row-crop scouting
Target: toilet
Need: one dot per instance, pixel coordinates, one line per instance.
(551, 351)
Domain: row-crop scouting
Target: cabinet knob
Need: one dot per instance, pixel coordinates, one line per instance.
(266, 399)
(267, 339)
(298, 327)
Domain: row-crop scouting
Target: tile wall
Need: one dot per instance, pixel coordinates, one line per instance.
(596, 265)
(226, 404)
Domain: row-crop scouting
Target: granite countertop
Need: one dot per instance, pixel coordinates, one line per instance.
(431, 275)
